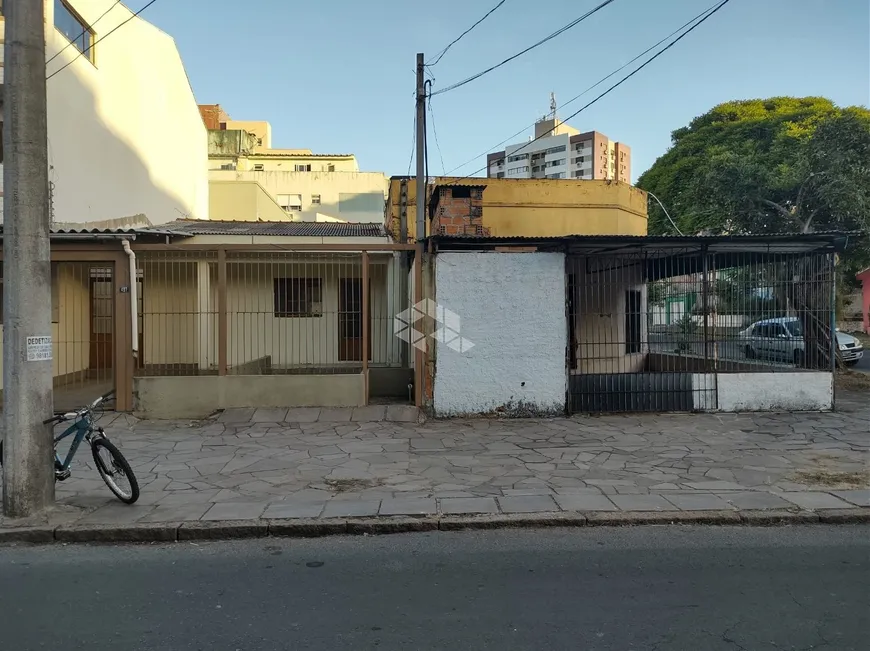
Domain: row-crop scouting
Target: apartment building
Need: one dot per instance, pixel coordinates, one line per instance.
(305, 185)
(559, 151)
(126, 144)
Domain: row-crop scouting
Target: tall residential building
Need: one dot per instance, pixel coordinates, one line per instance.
(559, 151)
(126, 144)
(305, 186)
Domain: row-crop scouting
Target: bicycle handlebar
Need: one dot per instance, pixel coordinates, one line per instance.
(59, 418)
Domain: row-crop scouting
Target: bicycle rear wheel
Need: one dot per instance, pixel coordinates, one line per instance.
(115, 470)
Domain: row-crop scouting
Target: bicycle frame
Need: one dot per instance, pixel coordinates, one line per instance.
(81, 429)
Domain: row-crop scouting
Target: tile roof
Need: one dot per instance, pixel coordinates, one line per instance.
(291, 229)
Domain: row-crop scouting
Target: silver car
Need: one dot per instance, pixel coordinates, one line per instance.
(782, 340)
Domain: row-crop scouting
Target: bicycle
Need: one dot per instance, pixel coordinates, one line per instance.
(114, 469)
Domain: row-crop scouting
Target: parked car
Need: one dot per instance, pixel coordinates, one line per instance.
(782, 339)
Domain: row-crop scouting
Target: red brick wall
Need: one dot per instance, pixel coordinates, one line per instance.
(459, 216)
(212, 115)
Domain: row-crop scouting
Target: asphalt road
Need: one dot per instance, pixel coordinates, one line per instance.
(647, 588)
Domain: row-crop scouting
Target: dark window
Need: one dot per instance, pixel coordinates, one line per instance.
(632, 321)
(297, 297)
(74, 28)
(462, 193)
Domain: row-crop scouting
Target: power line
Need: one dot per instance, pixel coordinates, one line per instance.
(559, 31)
(435, 133)
(104, 36)
(413, 145)
(83, 32)
(593, 86)
(621, 81)
(459, 38)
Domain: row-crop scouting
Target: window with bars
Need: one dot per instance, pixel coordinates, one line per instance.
(297, 297)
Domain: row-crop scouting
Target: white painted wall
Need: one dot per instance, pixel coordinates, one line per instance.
(125, 135)
(775, 391)
(512, 307)
(357, 197)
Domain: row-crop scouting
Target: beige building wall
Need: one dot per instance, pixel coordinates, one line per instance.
(344, 196)
(125, 136)
(262, 131)
(243, 201)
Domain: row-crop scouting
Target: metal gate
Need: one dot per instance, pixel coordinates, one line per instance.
(652, 329)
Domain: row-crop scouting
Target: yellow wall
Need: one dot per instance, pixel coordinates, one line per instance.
(542, 207)
(70, 328)
(261, 130)
(243, 201)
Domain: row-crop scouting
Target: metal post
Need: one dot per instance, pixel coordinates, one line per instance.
(28, 471)
(365, 323)
(222, 311)
(705, 306)
(421, 150)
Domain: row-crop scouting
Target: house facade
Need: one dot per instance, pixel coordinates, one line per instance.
(231, 314)
(126, 144)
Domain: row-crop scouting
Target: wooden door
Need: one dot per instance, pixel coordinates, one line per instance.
(102, 298)
(350, 320)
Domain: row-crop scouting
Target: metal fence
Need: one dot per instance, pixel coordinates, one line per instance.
(649, 331)
(265, 313)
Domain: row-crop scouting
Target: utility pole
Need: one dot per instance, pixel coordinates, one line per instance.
(421, 149)
(28, 469)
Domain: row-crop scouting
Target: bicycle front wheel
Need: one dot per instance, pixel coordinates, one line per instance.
(115, 470)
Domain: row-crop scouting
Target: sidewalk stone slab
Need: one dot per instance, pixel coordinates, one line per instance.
(408, 506)
(269, 415)
(856, 497)
(351, 508)
(288, 509)
(527, 504)
(302, 415)
(585, 502)
(716, 486)
(468, 505)
(235, 511)
(336, 415)
(811, 500)
(402, 414)
(753, 500)
(242, 415)
(700, 502)
(370, 414)
(181, 513)
(642, 503)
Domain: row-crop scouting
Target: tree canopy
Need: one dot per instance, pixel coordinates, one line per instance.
(774, 165)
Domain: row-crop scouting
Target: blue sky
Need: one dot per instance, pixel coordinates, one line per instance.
(338, 76)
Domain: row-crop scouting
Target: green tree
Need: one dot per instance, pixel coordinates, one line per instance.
(782, 164)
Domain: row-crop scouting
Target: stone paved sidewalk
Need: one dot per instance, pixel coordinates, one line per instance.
(309, 463)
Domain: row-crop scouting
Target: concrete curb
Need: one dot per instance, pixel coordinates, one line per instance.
(309, 528)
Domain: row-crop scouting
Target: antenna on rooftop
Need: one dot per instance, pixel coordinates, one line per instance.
(553, 104)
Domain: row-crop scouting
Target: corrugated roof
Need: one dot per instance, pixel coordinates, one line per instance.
(286, 229)
(621, 244)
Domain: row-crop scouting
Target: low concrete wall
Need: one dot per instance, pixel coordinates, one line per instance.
(197, 397)
(776, 391)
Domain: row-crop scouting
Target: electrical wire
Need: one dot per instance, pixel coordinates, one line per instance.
(559, 31)
(83, 32)
(459, 38)
(592, 87)
(104, 36)
(618, 83)
(413, 144)
(435, 134)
